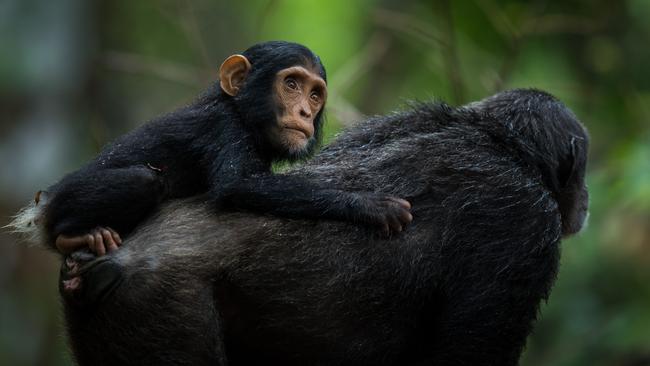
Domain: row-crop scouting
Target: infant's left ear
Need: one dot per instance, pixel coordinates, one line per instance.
(232, 73)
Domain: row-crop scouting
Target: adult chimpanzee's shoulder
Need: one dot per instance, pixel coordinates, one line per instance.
(416, 118)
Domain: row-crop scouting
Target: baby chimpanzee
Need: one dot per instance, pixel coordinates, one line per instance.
(268, 107)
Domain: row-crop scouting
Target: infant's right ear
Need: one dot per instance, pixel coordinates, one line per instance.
(232, 73)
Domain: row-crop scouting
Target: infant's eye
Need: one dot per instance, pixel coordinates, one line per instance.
(291, 83)
(315, 97)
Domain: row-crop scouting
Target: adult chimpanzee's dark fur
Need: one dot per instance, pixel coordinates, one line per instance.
(494, 187)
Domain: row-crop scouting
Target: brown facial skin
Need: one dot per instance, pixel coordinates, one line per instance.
(300, 94)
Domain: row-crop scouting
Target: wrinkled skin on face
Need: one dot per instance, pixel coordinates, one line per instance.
(299, 94)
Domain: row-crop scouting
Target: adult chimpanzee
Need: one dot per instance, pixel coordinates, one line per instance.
(268, 107)
(494, 186)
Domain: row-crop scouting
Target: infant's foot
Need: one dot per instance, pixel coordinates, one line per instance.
(86, 279)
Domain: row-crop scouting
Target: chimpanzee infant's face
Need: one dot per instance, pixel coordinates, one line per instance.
(299, 95)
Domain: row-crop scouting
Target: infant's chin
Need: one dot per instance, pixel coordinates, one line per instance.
(296, 144)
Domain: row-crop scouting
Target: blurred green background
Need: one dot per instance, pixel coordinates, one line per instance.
(76, 73)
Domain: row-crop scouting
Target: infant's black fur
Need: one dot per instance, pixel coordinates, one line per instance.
(218, 145)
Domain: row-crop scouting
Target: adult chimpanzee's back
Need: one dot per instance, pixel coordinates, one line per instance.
(494, 186)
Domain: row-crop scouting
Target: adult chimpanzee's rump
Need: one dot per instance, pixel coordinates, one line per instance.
(494, 186)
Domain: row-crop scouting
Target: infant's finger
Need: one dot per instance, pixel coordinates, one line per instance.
(406, 217)
(395, 224)
(67, 244)
(116, 236)
(90, 240)
(404, 203)
(99, 244)
(108, 240)
(385, 230)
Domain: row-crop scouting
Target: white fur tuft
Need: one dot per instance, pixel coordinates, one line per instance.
(26, 223)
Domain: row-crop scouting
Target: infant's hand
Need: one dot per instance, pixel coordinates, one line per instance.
(389, 214)
(100, 240)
